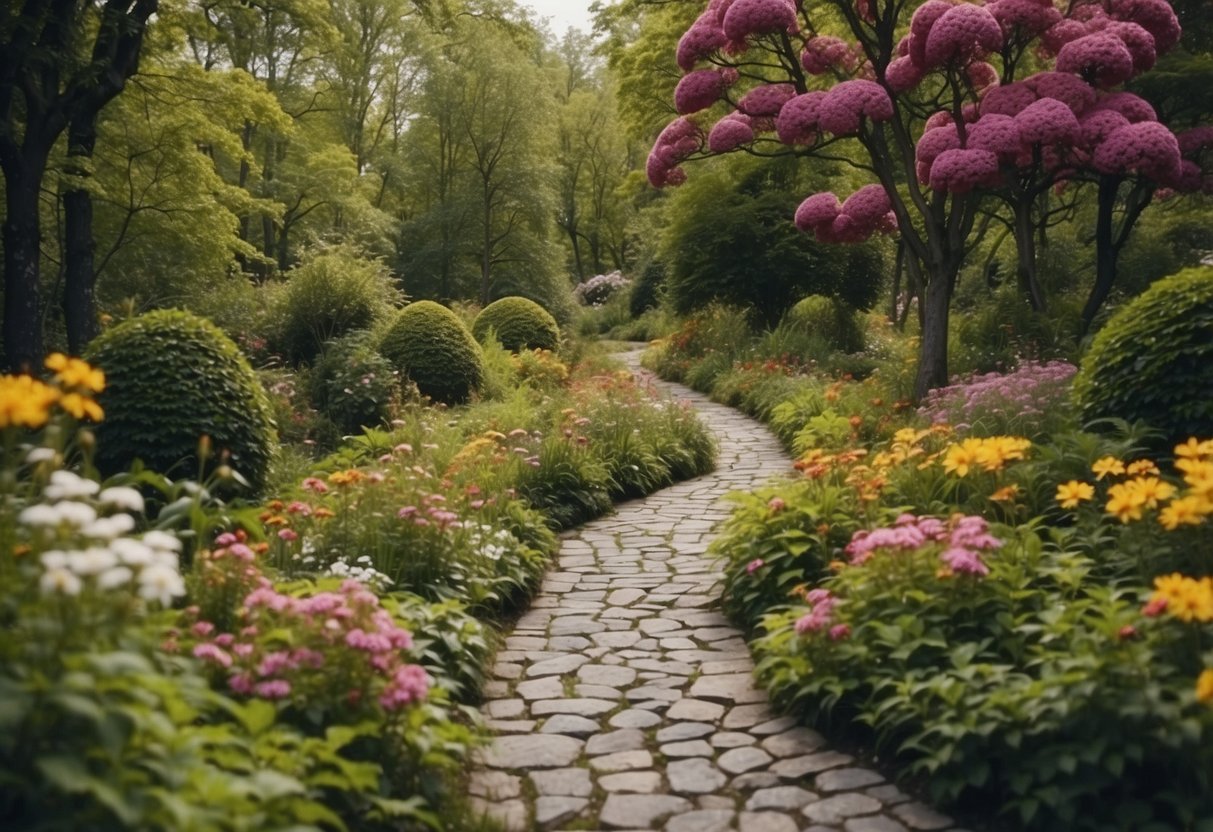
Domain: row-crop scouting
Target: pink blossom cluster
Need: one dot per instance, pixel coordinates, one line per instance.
(824, 53)
(678, 142)
(344, 647)
(846, 105)
(865, 212)
(748, 18)
(766, 101)
(820, 617)
(961, 541)
(1155, 18)
(699, 90)
(1030, 392)
(730, 133)
(432, 512)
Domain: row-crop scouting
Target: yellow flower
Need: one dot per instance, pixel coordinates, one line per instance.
(1005, 494)
(1142, 466)
(1198, 474)
(1072, 493)
(72, 372)
(960, 458)
(1194, 448)
(25, 402)
(82, 407)
(1125, 502)
(1186, 598)
(1151, 490)
(1204, 686)
(1108, 466)
(345, 477)
(1185, 511)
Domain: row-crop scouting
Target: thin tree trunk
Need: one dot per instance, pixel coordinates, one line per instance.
(1106, 251)
(80, 276)
(1025, 249)
(936, 303)
(23, 348)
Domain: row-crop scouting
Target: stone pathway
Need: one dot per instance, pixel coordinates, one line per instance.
(624, 700)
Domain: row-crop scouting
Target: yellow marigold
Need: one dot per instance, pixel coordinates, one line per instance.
(1204, 686)
(1006, 494)
(1194, 448)
(25, 402)
(1142, 466)
(960, 458)
(1125, 503)
(1107, 466)
(345, 477)
(82, 407)
(72, 372)
(1198, 474)
(1183, 511)
(1071, 493)
(1151, 489)
(1188, 599)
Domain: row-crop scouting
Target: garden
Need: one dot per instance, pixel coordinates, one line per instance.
(310, 322)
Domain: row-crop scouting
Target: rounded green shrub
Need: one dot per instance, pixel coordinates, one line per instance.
(172, 378)
(430, 345)
(328, 296)
(1153, 360)
(829, 319)
(519, 324)
(646, 291)
(352, 384)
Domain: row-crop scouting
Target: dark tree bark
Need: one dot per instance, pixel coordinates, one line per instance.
(22, 249)
(1110, 239)
(80, 276)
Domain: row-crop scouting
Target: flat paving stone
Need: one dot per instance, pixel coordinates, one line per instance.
(625, 653)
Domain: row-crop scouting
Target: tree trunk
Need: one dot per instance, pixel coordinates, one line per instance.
(1025, 249)
(23, 349)
(1106, 251)
(936, 303)
(486, 257)
(80, 277)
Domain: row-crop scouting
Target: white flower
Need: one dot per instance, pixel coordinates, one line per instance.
(107, 528)
(66, 486)
(123, 497)
(133, 552)
(40, 455)
(159, 583)
(39, 515)
(92, 561)
(54, 559)
(166, 560)
(114, 578)
(76, 514)
(60, 580)
(162, 541)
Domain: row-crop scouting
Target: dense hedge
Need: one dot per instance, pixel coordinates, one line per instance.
(173, 377)
(829, 319)
(519, 324)
(431, 346)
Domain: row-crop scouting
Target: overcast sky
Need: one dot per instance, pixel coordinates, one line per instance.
(563, 13)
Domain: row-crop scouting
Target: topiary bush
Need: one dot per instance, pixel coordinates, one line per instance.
(332, 294)
(431, 346)
(352, 384)
(520, 324)
(172, 378)
(829, 319)
(1153, 361)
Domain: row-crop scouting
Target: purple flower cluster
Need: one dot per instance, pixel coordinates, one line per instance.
(598, 289)
(681, 139)
(699, 90)
(1031, 392)
(730, 133)
(865, 212)
(962, 541)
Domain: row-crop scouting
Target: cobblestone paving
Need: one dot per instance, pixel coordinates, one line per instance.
(624, 700)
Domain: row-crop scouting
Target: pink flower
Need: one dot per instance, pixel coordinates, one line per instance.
(202, 629)
(1147, 148)
(1030, 16)
(766, 101)
(1101, 59)
(289, 535)
(241, 683)
(961, 33)
(776, 504)
(797, 120)
(754, 565)
(409, 684)
(211, 653)
(819, 209)
(730, 133)
(273, 689)
(1008, 99)
(1066, 88)
(960, 171)
(758, 17)
(1155, 16)
(840, 631)
(315, 485)
(964, 561)
(903, 74)
(698, 91)
(847, 104)
(824, 52)
(700, 41)
(1047, 121)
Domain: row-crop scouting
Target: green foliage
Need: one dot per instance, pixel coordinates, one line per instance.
(1153, 360)
(519, 324)
(173, 378)
(432, 347)
(827, 318)
(332, 294)
(647, 288)
(352, 384)
(729, 240)
(998, 332)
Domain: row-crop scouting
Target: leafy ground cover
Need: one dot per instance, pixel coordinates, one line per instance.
(173, 661)
(1011, 607)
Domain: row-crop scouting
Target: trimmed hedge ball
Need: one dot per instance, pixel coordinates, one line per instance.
(430, 345)
(171, 378)
(520, 324)
(828, 318)
(1153, 360)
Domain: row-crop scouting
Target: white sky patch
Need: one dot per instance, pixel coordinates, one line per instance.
(563, 13)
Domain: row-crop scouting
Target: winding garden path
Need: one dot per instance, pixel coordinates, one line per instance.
(624, 700)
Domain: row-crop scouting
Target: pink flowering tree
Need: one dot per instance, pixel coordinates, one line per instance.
(946, 108)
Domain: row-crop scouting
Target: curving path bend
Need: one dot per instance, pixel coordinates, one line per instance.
(623, 699)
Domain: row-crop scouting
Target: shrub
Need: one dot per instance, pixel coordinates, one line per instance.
(432, 347)
(1153, 360)
(646, 291)
(520, 324)
(600, 288)
(331, 295)
(829, 319)
(172, 379)
(353, 384)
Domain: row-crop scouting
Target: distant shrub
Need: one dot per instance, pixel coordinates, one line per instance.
(829, 319)
(433, 348)
(520, 324)
(353, 384)
(331, 295)
(173, 378)
(598, 289)
(646, 290)
(1153, 361)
